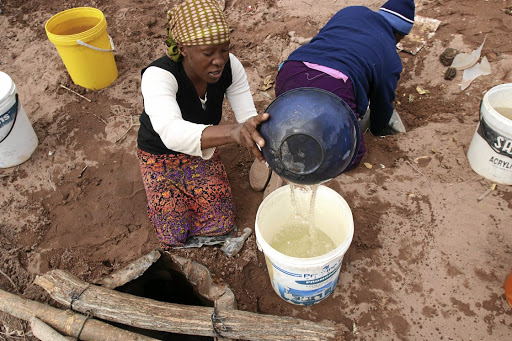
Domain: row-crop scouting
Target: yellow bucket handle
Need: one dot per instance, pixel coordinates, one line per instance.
(79, 42)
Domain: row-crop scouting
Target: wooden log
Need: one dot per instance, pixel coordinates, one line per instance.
(149, 314)
(65, 322)
(199, 276)
(131, 271)
(44, 332)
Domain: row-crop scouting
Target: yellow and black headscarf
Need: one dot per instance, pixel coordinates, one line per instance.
(196, 22)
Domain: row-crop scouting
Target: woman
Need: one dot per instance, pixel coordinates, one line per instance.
(186, 184)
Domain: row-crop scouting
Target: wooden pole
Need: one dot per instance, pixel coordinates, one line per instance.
(149, 314)
(131, 271)
(46, 333)
(65, 322)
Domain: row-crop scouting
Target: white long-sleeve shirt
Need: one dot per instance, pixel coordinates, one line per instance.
(159, 88)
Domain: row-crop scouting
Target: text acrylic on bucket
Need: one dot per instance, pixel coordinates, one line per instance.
(304, 281)
(81, 39)
(18, 139)
(490, 151)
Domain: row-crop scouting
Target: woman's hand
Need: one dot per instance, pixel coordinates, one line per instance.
(247, 135)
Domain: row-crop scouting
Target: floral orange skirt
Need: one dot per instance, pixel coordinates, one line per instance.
(187, 196)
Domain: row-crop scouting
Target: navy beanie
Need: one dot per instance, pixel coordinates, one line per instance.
(400, 14)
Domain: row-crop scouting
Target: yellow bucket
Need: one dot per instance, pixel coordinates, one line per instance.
(80, 36)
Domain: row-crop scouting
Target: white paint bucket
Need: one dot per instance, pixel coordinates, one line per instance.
(17, 137)
(304, 281)
(490, 150)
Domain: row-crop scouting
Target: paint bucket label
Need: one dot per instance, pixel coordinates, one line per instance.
(306, 288)
(499, 143)
(7, 122)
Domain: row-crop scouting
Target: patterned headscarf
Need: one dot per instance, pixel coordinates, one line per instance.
(196, 22)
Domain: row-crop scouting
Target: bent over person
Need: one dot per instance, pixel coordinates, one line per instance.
(185, 181)
(354, 56)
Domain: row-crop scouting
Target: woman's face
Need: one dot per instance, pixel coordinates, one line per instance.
(205, 62)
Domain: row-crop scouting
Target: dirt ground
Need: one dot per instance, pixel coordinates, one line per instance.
(428, 260)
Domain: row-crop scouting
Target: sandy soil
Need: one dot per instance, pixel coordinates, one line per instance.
(428, 261)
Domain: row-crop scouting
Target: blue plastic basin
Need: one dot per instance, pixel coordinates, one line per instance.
(311, 136)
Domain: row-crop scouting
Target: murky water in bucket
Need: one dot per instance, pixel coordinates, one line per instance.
(300, 236)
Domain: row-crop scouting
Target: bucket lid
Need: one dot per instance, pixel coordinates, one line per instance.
(7, 88)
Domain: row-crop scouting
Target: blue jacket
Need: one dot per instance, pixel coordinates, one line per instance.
(360, 43)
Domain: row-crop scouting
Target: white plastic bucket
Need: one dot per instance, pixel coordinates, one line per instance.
(304, 281)
(490, 150)
(17, 137)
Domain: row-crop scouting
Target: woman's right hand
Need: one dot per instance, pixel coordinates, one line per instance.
(247, 135)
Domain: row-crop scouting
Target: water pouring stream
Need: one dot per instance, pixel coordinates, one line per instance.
(300, 236)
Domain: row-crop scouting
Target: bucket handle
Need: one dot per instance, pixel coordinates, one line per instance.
(14, 121)
(79, 42)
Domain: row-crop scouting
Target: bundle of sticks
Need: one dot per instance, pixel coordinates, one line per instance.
(90, 305)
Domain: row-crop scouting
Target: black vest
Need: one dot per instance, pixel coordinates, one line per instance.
(189, 103)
